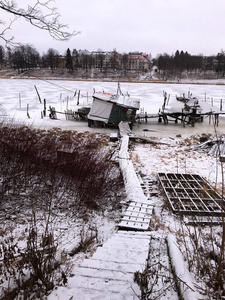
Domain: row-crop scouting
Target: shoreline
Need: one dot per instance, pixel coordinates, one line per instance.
(151, 102)
(145, 130)
(108, 79)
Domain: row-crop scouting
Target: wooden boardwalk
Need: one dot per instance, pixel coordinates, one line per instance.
(110, 272)
(138, 214)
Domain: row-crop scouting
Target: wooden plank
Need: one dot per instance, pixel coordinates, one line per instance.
(134, 225)
(137, 214)
(117, 275)
(134, 236)
(101, 284)
(119, 255)
(136, 219)
(139, 205)
(114, 266)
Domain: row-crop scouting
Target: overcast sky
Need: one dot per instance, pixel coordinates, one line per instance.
(150, 26)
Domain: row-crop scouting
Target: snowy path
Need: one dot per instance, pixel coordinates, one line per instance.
(109, 273)
(139, 211)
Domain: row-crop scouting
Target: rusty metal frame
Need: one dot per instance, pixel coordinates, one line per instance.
(190, 194)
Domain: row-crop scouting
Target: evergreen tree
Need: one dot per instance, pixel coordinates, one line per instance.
(69, 61)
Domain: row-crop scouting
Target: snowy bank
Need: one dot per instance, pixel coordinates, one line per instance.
(185, 281)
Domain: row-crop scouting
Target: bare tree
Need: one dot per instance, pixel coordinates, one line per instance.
(41, 14)
(25, 57)
(51, 59)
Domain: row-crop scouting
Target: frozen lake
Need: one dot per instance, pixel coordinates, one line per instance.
(17, 94)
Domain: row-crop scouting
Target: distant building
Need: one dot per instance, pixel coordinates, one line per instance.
(85, 51)
(110, 60)
(102, 59)
(138, 61)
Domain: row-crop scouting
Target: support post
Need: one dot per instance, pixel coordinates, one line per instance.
(38, 94)
(78, 97)
(28, 115)
(44, 111)
(19, 100)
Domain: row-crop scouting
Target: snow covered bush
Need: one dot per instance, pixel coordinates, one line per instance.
(202, 249)
(44, 174)
(32, 270)
(79, 158)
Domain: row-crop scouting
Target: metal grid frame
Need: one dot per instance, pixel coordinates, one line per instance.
(191, 194)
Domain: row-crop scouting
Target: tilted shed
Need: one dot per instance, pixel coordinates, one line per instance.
(108, 109)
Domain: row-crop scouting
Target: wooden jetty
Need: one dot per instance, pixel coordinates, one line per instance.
(185, 118)
(187, 110)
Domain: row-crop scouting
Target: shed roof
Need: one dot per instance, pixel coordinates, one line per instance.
(119, 99)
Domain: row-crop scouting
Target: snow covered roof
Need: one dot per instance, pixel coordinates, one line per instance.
(176, 106)
(119, 99)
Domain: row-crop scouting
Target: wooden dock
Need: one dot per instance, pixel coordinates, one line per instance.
(186, 110)
(183, 117)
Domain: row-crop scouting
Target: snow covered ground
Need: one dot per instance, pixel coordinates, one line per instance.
(175, 154)
(16, 94)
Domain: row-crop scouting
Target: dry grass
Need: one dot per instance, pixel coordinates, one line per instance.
(36, 185)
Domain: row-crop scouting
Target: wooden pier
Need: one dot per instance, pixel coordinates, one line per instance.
(184, 117)
(186, 110)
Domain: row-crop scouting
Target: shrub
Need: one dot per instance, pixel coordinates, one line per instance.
(34, 152)
(40, 173)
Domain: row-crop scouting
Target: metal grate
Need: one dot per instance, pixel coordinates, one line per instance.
(190, 194)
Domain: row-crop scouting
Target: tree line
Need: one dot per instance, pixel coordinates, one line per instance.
(26, 57)
(182, 62)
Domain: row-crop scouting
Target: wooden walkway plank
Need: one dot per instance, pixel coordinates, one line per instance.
(113, 266)
(103, 285)
(137, 216)
(122, 255)
(133, 225)
(103, 273)
(89, 294)
(134, 234)
(137, 246)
